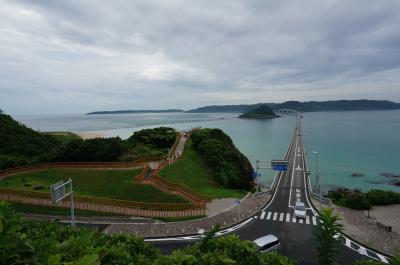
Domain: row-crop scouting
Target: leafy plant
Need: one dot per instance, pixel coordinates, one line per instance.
(327, 228)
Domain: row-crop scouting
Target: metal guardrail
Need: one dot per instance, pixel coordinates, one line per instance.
(323, 199)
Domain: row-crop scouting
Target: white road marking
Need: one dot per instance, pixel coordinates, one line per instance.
(307, 219)
(288, 217)
(268, 215)
(297, 194)
(281, 217)
(262, 215)
(294, 220)
(314, 220)
(291, 181)
(300, 221)
(275, 216)
(362, 250)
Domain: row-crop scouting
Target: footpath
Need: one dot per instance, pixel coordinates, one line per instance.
(233, 215)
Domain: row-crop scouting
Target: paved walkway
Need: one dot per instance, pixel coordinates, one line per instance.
(219, 205)
(181, 145)
(248, 207)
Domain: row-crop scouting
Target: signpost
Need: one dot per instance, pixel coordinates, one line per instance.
(280, 165)
(237, 202)
(58, 194)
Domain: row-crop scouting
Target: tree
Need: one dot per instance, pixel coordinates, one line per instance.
(327, 228)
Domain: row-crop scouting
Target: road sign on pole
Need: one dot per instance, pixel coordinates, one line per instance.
(58, 194)
(279, 165)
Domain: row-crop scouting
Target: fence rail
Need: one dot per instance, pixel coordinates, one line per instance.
(136, 163)
(102, 201)
(104, 208)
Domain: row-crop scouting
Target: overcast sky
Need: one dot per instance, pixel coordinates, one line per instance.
(80, 56)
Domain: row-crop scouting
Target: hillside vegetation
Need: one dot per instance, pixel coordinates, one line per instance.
(230, 168)
(21, 145)
(262, 112)
(192, 172)
(27, 242)
(110, 183)
(334, 105)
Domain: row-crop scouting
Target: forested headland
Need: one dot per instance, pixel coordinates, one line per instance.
(21, 146)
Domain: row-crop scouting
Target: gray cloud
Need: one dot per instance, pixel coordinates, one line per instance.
(78, 56)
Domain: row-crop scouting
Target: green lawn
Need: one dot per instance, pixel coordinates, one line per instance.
(64, 137)
(36, 209)
(191, 172)
(114, 184)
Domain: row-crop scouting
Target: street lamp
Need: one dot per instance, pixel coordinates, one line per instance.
(318, 178)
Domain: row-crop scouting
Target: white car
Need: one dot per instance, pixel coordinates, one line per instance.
(268, 243)
(300, 210)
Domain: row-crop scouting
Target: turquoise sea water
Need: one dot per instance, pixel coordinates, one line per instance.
(365, 141)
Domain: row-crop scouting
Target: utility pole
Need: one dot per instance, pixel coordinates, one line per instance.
(71, 196)
(320, 192)
(318, 178)
(316, 167)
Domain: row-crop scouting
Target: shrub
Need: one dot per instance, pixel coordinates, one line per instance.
(231, 169)
(27, 185)
(27, 242)
(363, 201)
(357, 200)
(38, 188)
(380, 197)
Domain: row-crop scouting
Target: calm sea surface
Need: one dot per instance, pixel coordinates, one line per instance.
(367, 142)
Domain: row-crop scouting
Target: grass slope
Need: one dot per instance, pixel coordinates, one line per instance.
(113, 184)
(192, 172)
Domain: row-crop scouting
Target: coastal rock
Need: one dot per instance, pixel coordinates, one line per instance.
(357, 174)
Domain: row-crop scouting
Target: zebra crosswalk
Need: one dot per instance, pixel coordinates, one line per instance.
(287, 217)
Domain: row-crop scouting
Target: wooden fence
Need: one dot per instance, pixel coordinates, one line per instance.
(102, 201)
(161, 183)
(104, 208)
(86, 165)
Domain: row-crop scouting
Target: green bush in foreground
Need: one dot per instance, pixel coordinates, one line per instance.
(27, 242)
(328, 246)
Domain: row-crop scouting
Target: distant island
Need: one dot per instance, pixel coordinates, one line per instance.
(309, 106)
(227, 108)
(262, 112)
(133, 111)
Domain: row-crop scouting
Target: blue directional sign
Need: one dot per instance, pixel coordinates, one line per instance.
(254, 174)
(280, 167)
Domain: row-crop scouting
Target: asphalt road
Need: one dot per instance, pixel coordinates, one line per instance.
(297, 236)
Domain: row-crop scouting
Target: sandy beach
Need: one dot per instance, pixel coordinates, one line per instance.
(90, 135)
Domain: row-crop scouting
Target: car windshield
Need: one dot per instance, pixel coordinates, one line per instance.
(300, 207)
